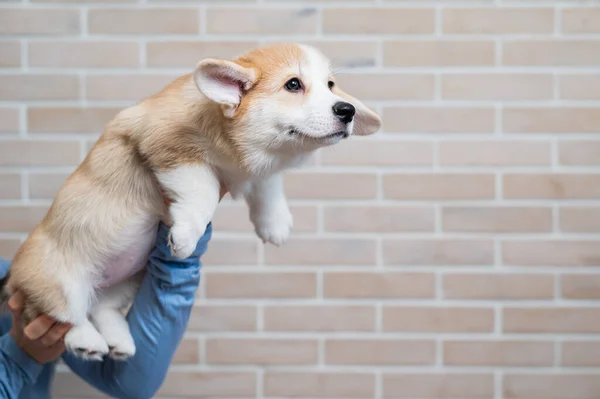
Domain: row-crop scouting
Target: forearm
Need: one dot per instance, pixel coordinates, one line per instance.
(17, 368)
(157, 320)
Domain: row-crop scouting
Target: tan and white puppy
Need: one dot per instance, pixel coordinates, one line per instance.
(239, 123)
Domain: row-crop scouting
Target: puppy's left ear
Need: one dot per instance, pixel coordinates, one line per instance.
(223, 81)
(366, 121)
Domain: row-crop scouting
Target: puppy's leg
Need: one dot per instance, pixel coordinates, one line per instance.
(86, 342)
(109, 317)
(194, 190)
(269, 211)
(83, 339)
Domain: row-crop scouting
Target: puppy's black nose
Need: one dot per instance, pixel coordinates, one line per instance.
(344, 111)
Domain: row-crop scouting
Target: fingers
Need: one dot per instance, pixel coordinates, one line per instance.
(16, 303)
(55, 334)
(38, 327)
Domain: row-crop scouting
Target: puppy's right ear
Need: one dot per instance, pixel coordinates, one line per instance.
(223, 81)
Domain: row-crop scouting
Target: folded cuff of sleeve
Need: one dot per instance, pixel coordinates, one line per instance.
(30, 368)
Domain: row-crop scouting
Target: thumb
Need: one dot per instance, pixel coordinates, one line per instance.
(16, 303)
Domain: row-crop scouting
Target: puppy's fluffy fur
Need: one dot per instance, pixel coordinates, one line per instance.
(239, 123)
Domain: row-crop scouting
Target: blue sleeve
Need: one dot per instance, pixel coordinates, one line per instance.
(17, 368)
(158, 319)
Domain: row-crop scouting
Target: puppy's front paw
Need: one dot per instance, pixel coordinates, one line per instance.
(183, 239)
(86, 342)
(274, 225)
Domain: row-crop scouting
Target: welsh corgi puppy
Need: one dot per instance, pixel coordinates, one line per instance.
(238, 123)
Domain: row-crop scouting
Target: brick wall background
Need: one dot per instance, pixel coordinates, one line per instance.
(454, 255)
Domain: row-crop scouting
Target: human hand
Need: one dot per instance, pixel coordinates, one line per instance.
(42, 339)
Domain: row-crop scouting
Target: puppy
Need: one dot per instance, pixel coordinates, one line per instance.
(238, 123)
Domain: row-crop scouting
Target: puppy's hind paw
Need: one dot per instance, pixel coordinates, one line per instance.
(85, 342)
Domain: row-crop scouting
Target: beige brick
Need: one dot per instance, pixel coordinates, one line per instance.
(39, 153)
(161, 21)
(376, 285)
(188, 352)
(551, 52)
(84, 54)
(497, 286)
(495, 153)
(419, 119)
(10, 54)
(307, 185)
(498, 20)
(584, 152)
(446, 186)
(261, 285)
(8, 247)
(580, 219)
(551, 253)
(438, 252)
(443, 385)
(319, 318)
(69, 120)
(367, 152)
(371, 352)
(21, 219)
(319, 384)
(581, 20)
(348, 53)
(497, 219)
(214, 384)
(10, 186)
(9, 121)
(261, 351)
(186, 54)
(125, 87)
(446, 319)
(82, 1)
(497, 87)
(231, 252)
(551, 386)
(21, 87)
(45, 185)
(275, 21)
(551, 186)
(378, 219)
(388, 86)
(438, 53)
(37, 21)
(322, 251)
(67, 384)
(580, 86)
(211, 318)
(378, 20)
(580, 354)
(551, 120)
(580, 286)
(498, 353)
(558, 320)
(235, 217)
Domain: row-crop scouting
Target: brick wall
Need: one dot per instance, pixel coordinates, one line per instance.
(455, 255)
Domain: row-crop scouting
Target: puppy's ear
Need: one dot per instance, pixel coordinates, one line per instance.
(224, 81)
(366, 121)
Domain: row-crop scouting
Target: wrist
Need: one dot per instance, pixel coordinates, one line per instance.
(29, 367)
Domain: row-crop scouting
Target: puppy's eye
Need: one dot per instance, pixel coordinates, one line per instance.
(293, 85)
(331, 84)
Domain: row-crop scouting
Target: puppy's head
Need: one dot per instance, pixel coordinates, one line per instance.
(284, 96)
